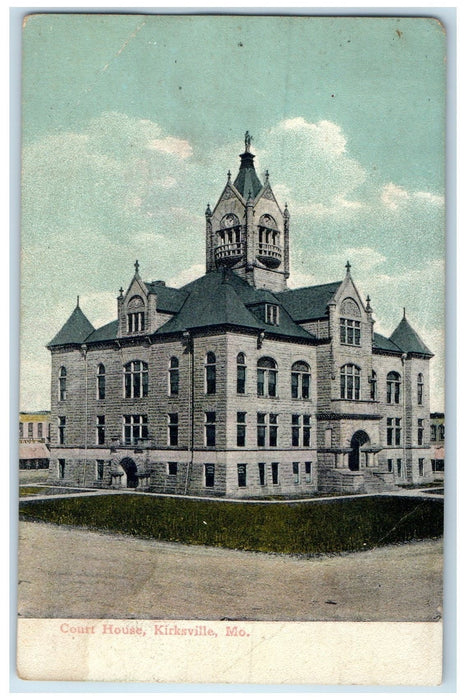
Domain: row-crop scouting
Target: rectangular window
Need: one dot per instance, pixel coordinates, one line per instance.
(294, 385)
(421, 466)
(21, 429)
(398, 467)
(390, 465)
(262, 473)
(210, 426)
(241, 475)
(350, 332)
(209, 471)
(135, 429)
(172, 468)
(433, 433)
(296, 472)
(271, 314)
(40, 430)
(241, 379)
(100, 430)
(260, 382)
(136, 322)
(61, 468)
(275, 473)
(273, 430)
(420, 431)
(261, 429)
(308, 471)
(295, 429)
(173, 429)
(240, 429)
(306, 431)
(61, 430)
(99, 469)
(30, 430)
(389, 431)
(397, 431)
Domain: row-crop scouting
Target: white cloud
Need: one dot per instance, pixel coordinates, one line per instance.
(393, 197)
(187, 275)
(169, 144)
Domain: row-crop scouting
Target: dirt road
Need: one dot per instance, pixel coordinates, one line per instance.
(66, 572)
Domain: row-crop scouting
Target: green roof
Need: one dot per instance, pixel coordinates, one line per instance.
(247, 181)
(224, 299)
(408, 340)
(169, 299)
(107, 332)
(75, 331)
(308, 303)
(383, 343)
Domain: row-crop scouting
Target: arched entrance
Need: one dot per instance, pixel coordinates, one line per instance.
(359, 439)
(131, 472)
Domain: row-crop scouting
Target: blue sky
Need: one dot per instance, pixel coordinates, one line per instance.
(131, 122)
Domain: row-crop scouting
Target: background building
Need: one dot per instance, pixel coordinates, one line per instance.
(437, 438)
(235, 385)
(34, 438)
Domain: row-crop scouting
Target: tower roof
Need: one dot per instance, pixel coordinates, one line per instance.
(408, 340)
(74, 331)
(247, 181)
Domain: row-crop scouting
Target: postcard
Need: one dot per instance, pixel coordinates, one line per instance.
(232, 349)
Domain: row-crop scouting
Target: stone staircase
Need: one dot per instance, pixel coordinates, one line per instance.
(378, 482)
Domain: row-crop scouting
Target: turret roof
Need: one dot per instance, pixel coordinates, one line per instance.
(247, 181)
(74, 331)
(408, 340)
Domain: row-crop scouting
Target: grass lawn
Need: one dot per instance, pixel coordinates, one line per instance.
(299, 528)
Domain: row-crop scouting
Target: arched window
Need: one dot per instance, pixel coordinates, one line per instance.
(269, 233)
(241, 373)
(393, 387)
(101, 381)
(420, 389)
(136, 315)
(174, 376)
(210, 373)
(230, 230)
(300, 381)
(373, 386)
(62, 384)
(136, 379)
(267, 377)
(350, 382)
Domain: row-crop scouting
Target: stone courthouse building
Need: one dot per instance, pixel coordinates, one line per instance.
(236, 385)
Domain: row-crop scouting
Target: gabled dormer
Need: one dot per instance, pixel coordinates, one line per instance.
(247, 231)
(137, 310)
(350, 319)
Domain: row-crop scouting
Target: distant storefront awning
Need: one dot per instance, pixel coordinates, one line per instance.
(37, 451)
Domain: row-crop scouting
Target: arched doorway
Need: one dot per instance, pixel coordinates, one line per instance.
(131, 472)
(359, 439)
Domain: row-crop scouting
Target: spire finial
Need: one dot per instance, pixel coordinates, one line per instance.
(208, 211)
(77, 302)
(266, 177)
(348, 268)
(121, 292)
(368, 303)
(136, 267)
(404, 311)
(247, 142)
(229, 175)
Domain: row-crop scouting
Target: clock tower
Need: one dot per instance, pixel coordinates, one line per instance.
(247, 231)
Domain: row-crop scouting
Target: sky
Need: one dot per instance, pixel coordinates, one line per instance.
(131, 122)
